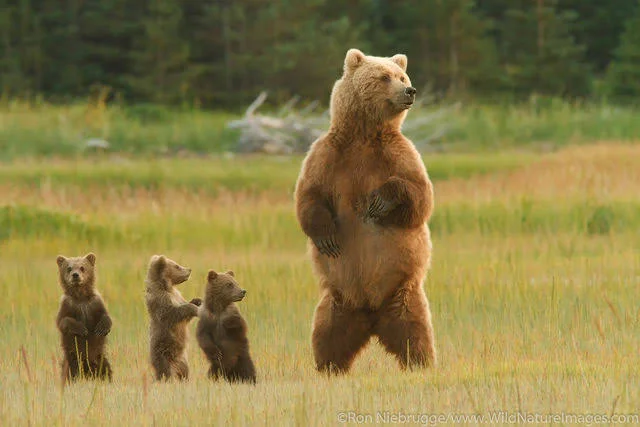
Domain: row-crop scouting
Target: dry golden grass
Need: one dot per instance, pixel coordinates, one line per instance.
(535, 321)
(603, 172)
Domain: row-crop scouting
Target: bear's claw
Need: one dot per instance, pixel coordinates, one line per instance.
(328, 246)
(102, 328)
(82, 331)
(377, 207)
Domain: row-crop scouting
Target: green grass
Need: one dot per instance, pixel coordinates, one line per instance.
(45, 130)
(553, 125)
(36, 130)
(533, 293)
(30, 222)
(252, 174)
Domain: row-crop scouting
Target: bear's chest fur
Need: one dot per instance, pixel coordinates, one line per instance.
(358, 171)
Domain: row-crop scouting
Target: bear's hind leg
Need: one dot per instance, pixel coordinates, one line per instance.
(339, 333)
(182, 369)
(102, 369)
(161, 367)
(404, 327)
(244, 370)
(70, 369)
(214, 372)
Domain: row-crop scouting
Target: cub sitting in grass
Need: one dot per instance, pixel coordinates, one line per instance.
(83, 320)
(222, 332)
(169, 316)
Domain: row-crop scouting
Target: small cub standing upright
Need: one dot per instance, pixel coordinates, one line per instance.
(83, 320)
(169, 316)
(222, 332)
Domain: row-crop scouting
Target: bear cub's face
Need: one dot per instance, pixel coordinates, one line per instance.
(222, 289)
(380, 80)
(166, 270)
(76, 272)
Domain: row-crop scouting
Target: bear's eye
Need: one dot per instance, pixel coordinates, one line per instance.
(402, 79)
(176, 267)
(69, 269)
(82, 269)
(386, 78)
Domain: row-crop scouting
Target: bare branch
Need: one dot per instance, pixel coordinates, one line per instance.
(256, 103)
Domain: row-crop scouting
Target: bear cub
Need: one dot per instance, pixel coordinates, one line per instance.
(169, 315)
(222, 332)
(83, 321)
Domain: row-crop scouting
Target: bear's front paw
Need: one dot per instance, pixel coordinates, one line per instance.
(379, 207)
(328, 245)
(193, 309)
(81, 330)
(196, 301)
(103, 327)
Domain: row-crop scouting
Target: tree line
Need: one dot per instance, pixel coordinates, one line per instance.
(221, 53)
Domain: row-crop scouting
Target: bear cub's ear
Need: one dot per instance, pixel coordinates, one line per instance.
(61, 260)
(400, 60)
(212, 275)
(91, 257)
(353, 60)
(158, 262)
(231, 273)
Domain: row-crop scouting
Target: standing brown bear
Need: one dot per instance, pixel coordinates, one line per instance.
(83, 320)
(222, 332)
(363, 198)
(169, 316)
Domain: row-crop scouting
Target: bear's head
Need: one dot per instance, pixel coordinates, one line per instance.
(373, 91)
(222, 290)
(165, 273)
(77, 274)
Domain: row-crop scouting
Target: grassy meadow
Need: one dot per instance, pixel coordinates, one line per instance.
(29, 129)
(534, 285)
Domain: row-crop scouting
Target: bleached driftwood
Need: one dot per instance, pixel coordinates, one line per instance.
(287, 133)
(290, 132)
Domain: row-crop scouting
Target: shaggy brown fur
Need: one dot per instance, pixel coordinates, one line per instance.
(222, 332)
(363, 198)
(169, 315)
(83, 321)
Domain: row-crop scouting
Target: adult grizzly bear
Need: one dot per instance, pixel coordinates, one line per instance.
(363, 198)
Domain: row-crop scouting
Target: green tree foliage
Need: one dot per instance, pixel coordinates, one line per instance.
(160, 56)
(107, 31)
(242, 48)
(222, 53)
(446, 42)
(598, 27)
(623, 77)
(540, 54)
(22, 56)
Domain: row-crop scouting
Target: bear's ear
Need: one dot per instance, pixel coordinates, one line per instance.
(212, 275)
(231, 273)
(91, 257)
(158, 262)
(400, 60)
(353, 60)
(60, 260)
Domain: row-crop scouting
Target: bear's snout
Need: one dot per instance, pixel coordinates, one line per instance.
(410, 91)
(75, 275)
(240, 295)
